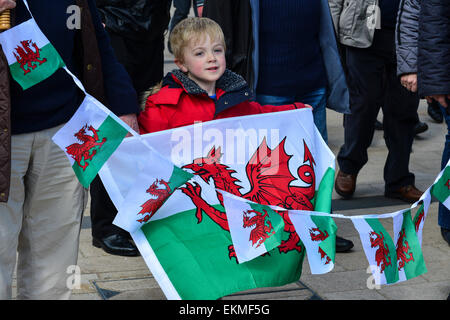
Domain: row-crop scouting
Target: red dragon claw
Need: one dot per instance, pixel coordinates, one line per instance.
(290, 244)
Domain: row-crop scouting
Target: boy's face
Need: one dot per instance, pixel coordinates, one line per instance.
(204, 62)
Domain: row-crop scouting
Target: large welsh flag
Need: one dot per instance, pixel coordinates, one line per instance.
(89, 138)
(30, 55)
(276, 159)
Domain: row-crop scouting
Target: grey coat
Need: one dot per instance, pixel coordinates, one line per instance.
(406, 36)
(354, 21)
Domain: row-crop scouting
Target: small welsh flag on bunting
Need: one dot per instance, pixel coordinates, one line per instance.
(318, 233)
(153, 186)
(30, 55)
(379, 248)
(410, 262)
(441, 187)
(89, 138)
(255, 229)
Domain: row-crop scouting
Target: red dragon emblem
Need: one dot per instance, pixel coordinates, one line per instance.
(26, 56)
(419, 219)
(377, 240)
(270, 179)
(318, 235)
(263, 227)
(151, 205)
(402, 250)
(78, 151)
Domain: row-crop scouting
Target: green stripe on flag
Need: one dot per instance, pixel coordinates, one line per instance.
(196, 259)
(41, 71)
(441, 189)
(329, 244)
(416, 265)
(178, 178)
(114, 134)
(390, 271)
(322, 197)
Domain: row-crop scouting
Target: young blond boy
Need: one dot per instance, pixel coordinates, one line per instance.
(202, 89)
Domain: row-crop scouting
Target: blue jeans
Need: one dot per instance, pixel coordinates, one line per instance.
(444, 213)
(316, 99)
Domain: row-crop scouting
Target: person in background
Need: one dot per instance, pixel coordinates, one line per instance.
(370, 55)
(182, 8)
(433, 74)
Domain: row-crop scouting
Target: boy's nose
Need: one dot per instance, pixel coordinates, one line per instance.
(211, 56)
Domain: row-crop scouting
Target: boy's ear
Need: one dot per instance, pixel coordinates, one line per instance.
(180, 65)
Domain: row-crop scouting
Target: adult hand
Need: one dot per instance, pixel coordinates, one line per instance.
(409, 81)
(131, 120)
(439, 98)
(7, 4)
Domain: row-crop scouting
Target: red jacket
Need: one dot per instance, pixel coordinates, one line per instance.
(181, 102)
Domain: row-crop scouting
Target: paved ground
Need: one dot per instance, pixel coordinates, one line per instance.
(112, 277)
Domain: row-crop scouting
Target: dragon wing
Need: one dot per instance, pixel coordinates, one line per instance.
(150, 206)
(269, 175)
(74, 149)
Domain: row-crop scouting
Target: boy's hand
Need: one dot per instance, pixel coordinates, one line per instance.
(131, 120)
(7, 4)
(409, 81)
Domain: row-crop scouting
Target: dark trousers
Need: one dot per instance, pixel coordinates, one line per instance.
(103, 212)
(144, 62)
(365, 69)
(182, 8)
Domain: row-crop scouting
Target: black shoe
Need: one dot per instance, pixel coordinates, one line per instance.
(446, 235)
(116, 244)
(420, 127)
(343, 245)
(434, 111)
(378, 125)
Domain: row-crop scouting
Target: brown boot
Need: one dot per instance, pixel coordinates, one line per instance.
(345, 184)
(407, 193)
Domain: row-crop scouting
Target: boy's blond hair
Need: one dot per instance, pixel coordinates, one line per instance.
(194, 29)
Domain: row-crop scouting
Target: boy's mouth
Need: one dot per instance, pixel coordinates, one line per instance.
(212, 68)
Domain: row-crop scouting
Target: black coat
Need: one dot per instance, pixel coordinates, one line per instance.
(235, 19)
(140, 20)
(434, 48)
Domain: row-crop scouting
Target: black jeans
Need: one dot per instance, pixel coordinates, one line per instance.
(366, 68)
(103, 212)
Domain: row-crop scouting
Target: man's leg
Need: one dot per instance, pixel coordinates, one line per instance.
(365, 81)
(182, 8)
(53, 207)
(11, 213)
(400, 118)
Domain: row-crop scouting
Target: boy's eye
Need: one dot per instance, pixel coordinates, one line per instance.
(219, 50)
(199, 53)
